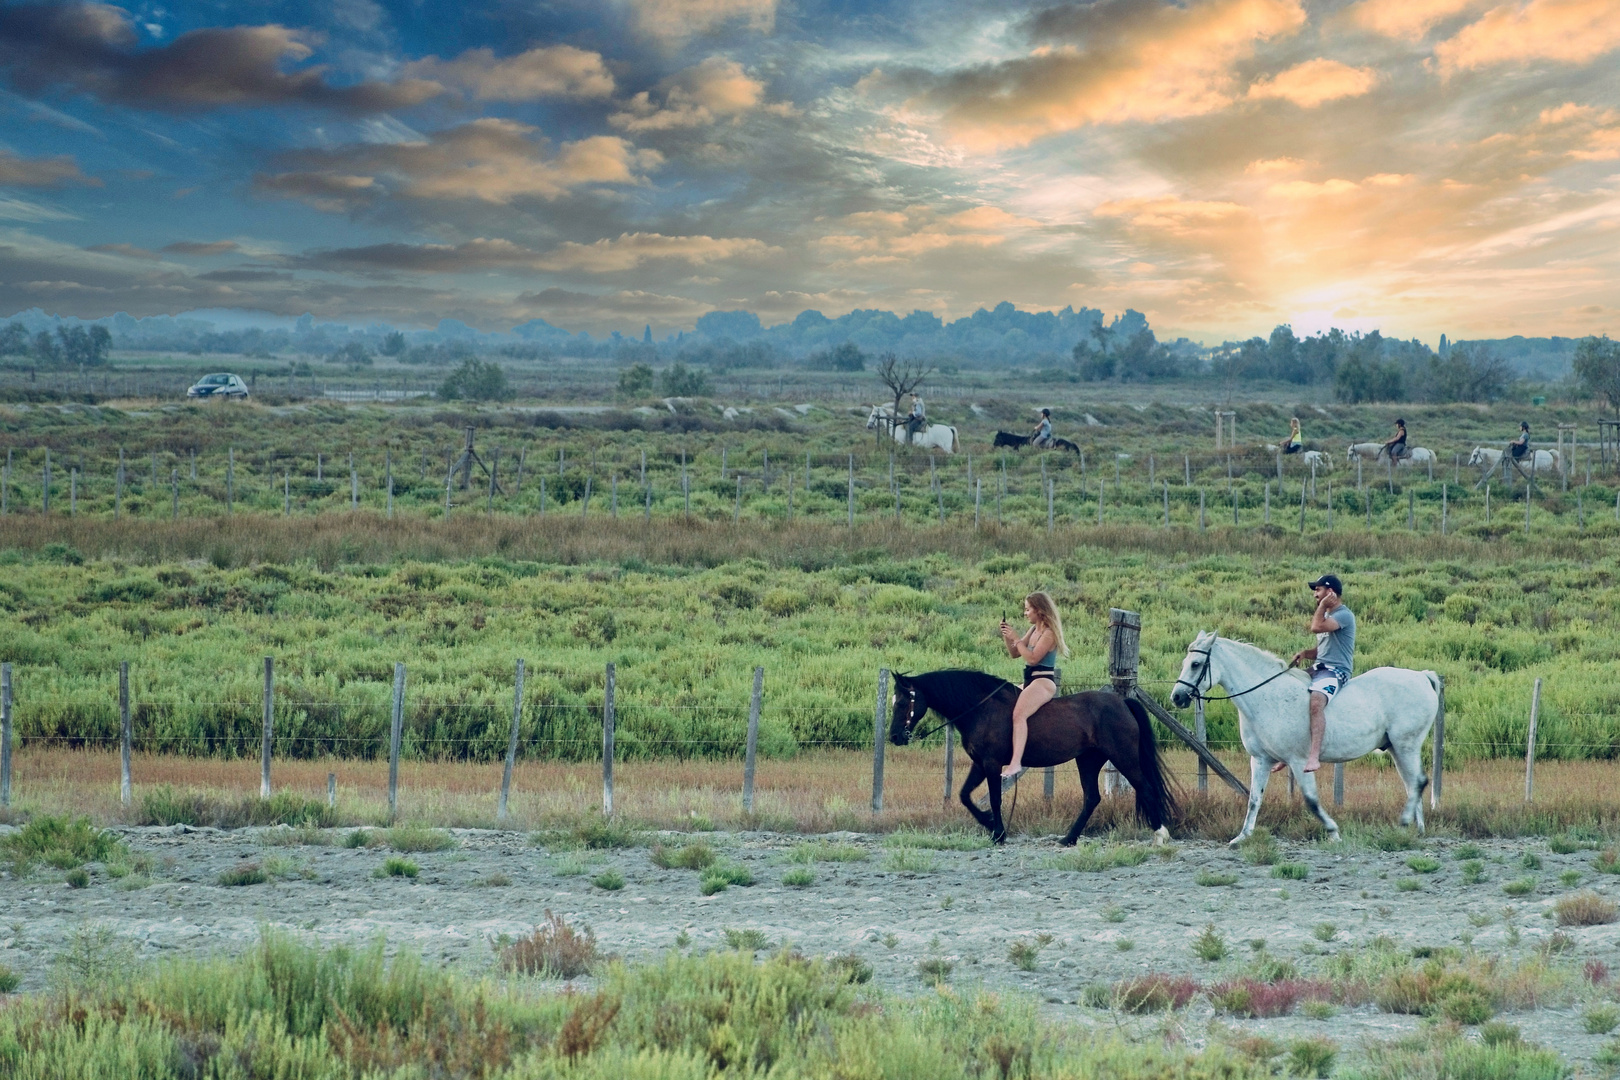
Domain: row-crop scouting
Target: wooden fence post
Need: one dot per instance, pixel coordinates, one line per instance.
(396, 730)
(331, 791)
(877, 741)
(753, 740)
(1200, 509)
(1338, 784)
(608, 721)
(1202, 732)
(1530, 742)
(5, 734)
(511, 742)
(1437, 769)
(1124, 654)
(269, 726)
(123, 730)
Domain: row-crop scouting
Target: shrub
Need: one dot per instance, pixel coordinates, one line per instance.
(1252, 998)
(717, 877)
(1210, 945)
(1584, 908)
(1467, 851)
(555, 950)
(938, 841)
(1214, 878)
(799, 877)
(609, 881)
(1530, 861)
(1410, 884)
(1607, 861)
(1319, 1010)
(60, 843)
(1520, 886)
(1423, 864)
(749, 940)
(248, 873)
(823, 851)
(1291, 871)
(394, 866)
(1391, 839)
(1260, 849)
(852, 967)
(165, 806)
(1566, 845)
(1500, 1033)
(1312, 1057)
(476, 380)
(1091, 857)
(359, 838)
(77, 878)
(1467, 1007)
(596, 833)
(935, 969)
(418, 838)
(9, 980)
(1154, 993)
(1023, 953)
(1600, 1019)
(911, 861)
(1473, 872)
(495, 880)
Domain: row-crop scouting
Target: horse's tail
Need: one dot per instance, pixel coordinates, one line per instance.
(956, 445)
(1439, 693)
(1154, 798)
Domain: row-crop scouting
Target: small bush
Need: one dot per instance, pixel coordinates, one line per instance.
(1091, 858)
(749, 940)
(417, 838)
(1530, 861)
(609, 881)
(1473, 872)
(822, 851)
(1467, 851)
(1584, 908)
(938, 841)
(9, 980)
(1313, 1057)
(1569, 878)
(1113, 913)
(1409, 884)
(694, 856)
(1596, 972)
(1215, 878)
(1319, 1010)
(165, 806)
(495, 880)
(1467, 1007)
(1124, 944)
(1291, 871)
(1566, 845)
(1260, 849)
(717, 877)
(1607, 861)
(911, 861)
(1423, 864)
(1520, 887)
(1253, 998)
(852, 967)
(359, 838)
(1154, 993)
(59, 842)
(799, 877)
(1500, 1033)
(555, 950)
(1210, 945)
(1391, 839)
(78, 878)
(934, 970)
(1023, 953)
(394, 866)
(1600, 1019)
(599, 834)
(247, 873)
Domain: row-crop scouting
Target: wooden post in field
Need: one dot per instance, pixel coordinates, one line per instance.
(123, 731)
(753, 740)
(1186, 471)
(1202, 732)
(331, 791)
(1200, 509)
(1338, 784)
(269, 726)
(396, 730)
(5, 734)
(1124, 652)
(608, 720)
(1437, 769)
(511, 742)
(1530, 742)
(1268, 503)
(877, 741)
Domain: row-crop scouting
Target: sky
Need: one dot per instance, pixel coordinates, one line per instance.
(1419, 166)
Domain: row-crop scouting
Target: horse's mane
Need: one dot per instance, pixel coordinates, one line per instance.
(983, 681)
(1267, 653)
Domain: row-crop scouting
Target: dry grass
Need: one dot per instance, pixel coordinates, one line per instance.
(554, 950)
(1585, 908)
(813, 793)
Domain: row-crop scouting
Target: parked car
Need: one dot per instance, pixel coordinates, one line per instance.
(223, 384)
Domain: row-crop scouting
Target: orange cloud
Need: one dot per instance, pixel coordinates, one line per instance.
(1406, 19)
(714, 90)
(631, 250)
(555, 71)
(674, 21)
(892, 236)
(1570, 31)
(1271, 165)
(1135, 62)
(1315, 81)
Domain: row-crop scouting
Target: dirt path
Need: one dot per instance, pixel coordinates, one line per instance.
(968, 909)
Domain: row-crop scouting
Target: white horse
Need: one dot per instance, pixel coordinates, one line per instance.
(1310, 458)
(936, 437)
(1382, 709)
(1537, 461)
(1372, 451)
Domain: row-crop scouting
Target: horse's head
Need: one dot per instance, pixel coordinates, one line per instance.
(875, 417)
(1350, 454)
(909, 706)
(1196, 677)
(1478, 457)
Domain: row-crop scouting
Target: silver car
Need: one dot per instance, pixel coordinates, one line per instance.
(220, 385)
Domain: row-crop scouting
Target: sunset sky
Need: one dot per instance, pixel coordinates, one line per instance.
(1423, 166)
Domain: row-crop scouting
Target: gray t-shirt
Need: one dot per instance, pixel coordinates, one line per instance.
(1337, 648)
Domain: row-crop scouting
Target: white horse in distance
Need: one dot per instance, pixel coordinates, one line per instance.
(1541, 462)
(1311, 459)
(1382, 709)
(935, 437)
(1371, 451)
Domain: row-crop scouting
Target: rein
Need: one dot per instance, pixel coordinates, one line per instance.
(949, 720)
(1205, 697)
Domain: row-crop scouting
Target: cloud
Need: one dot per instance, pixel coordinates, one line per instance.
(1305, 189)
(91, 48)
(1109, 62)
(488, 160)
(129, 251)
(716, 89)
(1315, 81)
(557, 71)
(1272, 165)
(628, 252)
(1596, 132)
(631, 250)
(1570, 31)
(876, 237)
(675, 21)
(196, 247)
(559, 305)
(1406, 19)
(18, 171)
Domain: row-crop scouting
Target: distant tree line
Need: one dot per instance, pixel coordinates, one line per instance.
(69, 346)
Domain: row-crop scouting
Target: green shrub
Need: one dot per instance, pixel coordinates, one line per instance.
(59, 842)
(1520, 886)
(77, 878)
(9, 980)
(1091, 857)
(555, 950)
(748, 940)
(823, 851)
(694, 856)
(1210, 945)
(977, 840)
(1467, 1007)
(359, 838)
(418, 838)
(1023, 953)
(799, 877)
(395, 866)
(717, 877)
(247, 873)
(1312, 1057)
(1260, 849)
(1324, 931)
(1600, 1019)
(1473, 872)
(852, 967)
(1215, 878)
(1291, 871)
(934, 970)
(1467, 851)
(609, 881)
(910, 861)
(1423, 864)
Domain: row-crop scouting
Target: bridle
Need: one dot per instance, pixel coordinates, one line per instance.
(911, 711)
(1200, 695)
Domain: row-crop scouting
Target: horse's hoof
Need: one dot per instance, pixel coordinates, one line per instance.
(1161, 836)
(1238, 839)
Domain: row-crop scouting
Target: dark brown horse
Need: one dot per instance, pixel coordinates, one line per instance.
(1089, 728)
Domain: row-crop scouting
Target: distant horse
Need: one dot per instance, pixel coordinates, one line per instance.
(1382, 709)
(1089, 728)
(935, 436)
(1007, 438)
(1064, 444)
(1373, 451)
(1537, 461)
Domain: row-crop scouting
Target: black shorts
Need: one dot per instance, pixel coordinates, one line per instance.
(1292, 448)
(1033, 673)
(1520, 450)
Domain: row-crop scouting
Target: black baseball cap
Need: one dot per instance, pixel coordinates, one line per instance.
(1331, 581)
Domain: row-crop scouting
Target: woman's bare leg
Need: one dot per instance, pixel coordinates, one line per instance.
(1031, 698)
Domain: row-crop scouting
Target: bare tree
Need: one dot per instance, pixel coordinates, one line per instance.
(901, 377)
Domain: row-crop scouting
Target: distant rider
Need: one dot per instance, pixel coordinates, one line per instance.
(1042, 436)
(1333, 658)
(1521, 446)
(917, 422)
(1396, 447)
(1294, 444)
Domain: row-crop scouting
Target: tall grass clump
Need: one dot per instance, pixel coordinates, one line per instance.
(62, 843)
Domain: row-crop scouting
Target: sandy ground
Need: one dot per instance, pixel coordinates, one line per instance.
(968, 909)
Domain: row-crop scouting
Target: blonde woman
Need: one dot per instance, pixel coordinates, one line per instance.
(1039, 647)
(1294, 444)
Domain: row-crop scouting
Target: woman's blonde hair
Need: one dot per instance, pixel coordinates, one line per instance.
(1293, 422)
(1047, 613)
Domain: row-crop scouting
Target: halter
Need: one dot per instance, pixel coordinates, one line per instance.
(911, 711)
(1193, 686)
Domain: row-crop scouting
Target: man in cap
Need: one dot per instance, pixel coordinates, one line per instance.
(1332, 660)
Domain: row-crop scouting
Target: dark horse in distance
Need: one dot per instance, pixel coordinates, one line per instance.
(1018, 442)
(1088, 728)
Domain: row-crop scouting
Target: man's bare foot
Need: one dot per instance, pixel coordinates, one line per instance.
(1311, 766)
(1280, 766)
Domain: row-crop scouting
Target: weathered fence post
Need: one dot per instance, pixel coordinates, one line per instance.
(331, 791)
(753, 740)
(608, 721)
(877, 741)
(1124, 652)
(1437, 769)
(1338, 783)
(396, 730)
(1200, 509)
(511, 742)
(1530, 742)
(269, 726)
(1268, 503)
(123, 732)
(1200, 730)
(5, 734)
